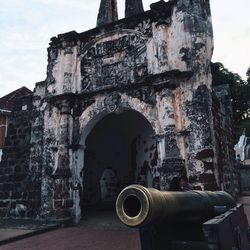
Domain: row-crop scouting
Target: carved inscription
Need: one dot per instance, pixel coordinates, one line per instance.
(116, 62)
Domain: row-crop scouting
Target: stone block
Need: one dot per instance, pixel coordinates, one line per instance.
(228, 231)
(3, 212)
(4, 204)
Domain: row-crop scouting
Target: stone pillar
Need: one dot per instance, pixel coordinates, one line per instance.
(173, 165)
(107, 12)
(77, 180)
(62, 190)
(63, 142)
(133, 7)
(170, 148)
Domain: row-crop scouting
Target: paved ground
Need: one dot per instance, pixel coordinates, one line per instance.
(76, 238)
(97, 231)
(11, 229)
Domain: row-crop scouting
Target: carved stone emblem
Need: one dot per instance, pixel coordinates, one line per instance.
(116, 62)
(112, 102)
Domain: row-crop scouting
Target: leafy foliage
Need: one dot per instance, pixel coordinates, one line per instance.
(240, 89)
(240, 93)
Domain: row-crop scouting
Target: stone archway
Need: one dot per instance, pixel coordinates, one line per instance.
(119, 150)
(116, 104)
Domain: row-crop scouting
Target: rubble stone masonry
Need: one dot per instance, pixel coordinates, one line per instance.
(151, 70)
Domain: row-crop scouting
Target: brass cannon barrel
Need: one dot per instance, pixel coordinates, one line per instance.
(138, 206)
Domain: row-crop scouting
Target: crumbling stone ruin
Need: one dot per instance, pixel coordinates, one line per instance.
(129, 101)
(6, 108)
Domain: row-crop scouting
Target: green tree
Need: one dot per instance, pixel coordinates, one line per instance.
(240, 89)
(240, 93)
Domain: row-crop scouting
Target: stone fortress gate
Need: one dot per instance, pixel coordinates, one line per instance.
(129, 101)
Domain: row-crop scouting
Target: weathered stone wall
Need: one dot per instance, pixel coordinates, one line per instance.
(107, 12)
(37, 140)
(244, 172)
(156, 63)
(225, 167)
(228, 230)
(19, 185)
(146, 162)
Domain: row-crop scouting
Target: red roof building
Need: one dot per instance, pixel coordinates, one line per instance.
(7, 101)
(6, 106)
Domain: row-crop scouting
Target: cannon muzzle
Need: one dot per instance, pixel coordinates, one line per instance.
(137, 206)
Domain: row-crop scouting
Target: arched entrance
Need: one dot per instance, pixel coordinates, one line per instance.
(120, 150)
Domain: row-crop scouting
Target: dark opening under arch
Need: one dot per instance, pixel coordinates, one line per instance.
(119, 151)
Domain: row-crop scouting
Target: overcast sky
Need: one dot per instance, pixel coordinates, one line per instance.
(26, 27)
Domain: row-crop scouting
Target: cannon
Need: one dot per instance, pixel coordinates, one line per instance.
(137, 206)
(172, 220)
